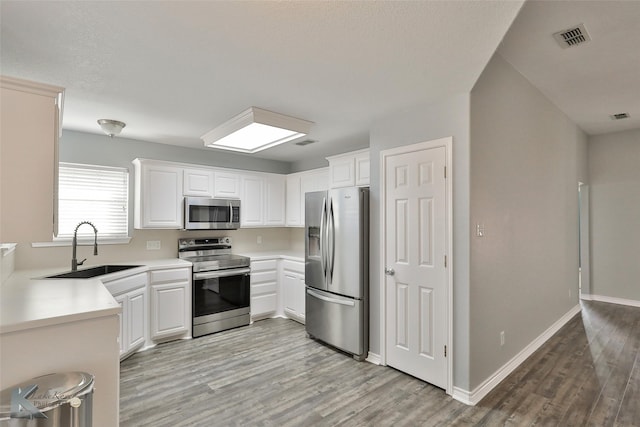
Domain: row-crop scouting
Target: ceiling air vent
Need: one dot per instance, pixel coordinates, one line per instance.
(572, 37)
(305, 142)
(619, 116)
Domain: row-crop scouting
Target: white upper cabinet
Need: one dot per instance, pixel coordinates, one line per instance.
(293, 202)
(227, 184)
(274, 201)
(198, 182)
(349, 169)
(297, 185)
(362, 168)
(262, 200)
(252, 201)
(158, 195)
(30, 123)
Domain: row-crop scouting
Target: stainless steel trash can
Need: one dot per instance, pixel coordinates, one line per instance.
(54, 400)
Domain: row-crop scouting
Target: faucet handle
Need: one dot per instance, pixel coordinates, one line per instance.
(81, 262)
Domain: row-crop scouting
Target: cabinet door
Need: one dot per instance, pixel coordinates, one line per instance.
(290, 283)
(264, 288)
(293, 204)
(161, 197)
(362, 169)
(226, 184)
(168, 309)
(198, 182)
(342, 172)
(300, 297)
(123, 316)
(252, 206)
(137, 318)
(274, 203)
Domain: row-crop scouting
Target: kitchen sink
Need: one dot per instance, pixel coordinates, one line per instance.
(92, 272)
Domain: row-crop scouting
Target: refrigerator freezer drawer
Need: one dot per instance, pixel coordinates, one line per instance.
(336, 320)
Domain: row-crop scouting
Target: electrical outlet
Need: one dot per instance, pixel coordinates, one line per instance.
(479, 230)
(153, 245)
(501, 338)
(259, 240)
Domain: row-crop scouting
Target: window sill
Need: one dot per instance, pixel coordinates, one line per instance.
(83, 242)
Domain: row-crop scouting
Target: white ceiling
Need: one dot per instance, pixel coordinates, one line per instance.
(591, 81)
(174, 70)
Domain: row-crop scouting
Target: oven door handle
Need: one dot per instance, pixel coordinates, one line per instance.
(221, 273)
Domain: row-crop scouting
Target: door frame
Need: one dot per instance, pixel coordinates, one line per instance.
(447, 143)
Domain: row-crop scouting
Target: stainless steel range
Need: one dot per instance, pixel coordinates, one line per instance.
(220, 290)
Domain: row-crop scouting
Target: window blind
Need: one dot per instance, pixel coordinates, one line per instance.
(99, 194)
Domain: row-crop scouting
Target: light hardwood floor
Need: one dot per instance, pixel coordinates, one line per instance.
(270, 374)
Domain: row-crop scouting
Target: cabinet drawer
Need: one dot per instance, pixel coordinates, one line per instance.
(294, 266)
(171, 275)
(263, 304)
(264, 276)
(267, 264)
(126, 284)
(263, 288)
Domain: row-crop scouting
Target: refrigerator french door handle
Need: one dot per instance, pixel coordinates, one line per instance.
(323, 255)
(332, 240)
(331, 300)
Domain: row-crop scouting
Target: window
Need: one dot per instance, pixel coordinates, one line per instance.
(98, 194)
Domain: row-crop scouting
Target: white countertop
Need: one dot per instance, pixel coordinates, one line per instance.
(28, 301)
(284, 254)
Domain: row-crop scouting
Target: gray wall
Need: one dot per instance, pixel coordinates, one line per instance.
(614, 174)
(450, 117)
(81, 147)
(87, 148)
(526, 160)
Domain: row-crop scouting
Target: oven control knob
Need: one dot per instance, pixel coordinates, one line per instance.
(226, 240)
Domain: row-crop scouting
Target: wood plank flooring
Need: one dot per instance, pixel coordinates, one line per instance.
(270, 374)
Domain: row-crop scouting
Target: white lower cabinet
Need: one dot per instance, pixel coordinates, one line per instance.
(170, 301)
(131, 293)
(292, 279)
(277, 288)
(264, 288)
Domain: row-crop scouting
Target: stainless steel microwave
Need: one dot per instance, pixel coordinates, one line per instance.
(206, 213)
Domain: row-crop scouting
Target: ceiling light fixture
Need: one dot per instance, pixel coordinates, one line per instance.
(111, 127)
(255, 130)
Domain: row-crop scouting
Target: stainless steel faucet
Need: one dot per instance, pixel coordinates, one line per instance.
(74, 260)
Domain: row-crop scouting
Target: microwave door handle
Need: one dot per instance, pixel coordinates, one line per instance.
(230, 213)
(222, 273)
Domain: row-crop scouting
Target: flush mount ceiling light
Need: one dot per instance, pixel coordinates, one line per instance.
(255, 130)
(111, 127)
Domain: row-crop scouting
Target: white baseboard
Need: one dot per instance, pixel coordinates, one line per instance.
(462, 395)
(475, 396)
(611, 300)
(374, 358)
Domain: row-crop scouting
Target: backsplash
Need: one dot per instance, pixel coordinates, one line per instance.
(244, 240)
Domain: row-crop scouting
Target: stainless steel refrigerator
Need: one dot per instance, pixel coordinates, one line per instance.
(337, 268)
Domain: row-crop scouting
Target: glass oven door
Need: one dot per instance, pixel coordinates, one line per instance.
(219, 291)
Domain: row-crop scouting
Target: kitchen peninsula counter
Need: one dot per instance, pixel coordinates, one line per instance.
(64, 325)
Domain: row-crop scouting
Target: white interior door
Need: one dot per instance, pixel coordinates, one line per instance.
(416, 274)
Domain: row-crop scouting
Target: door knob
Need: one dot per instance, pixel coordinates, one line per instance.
(389, 271)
